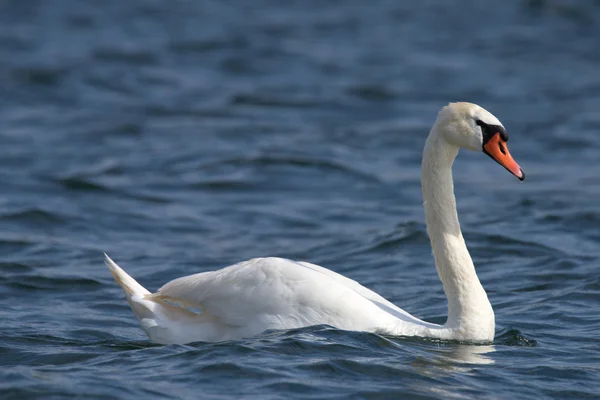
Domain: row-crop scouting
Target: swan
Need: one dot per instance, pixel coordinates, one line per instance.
(250, 297)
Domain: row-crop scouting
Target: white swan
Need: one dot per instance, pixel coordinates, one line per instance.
(250, 297)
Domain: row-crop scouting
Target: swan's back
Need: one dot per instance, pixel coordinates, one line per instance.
(274, 293)
(250, 297)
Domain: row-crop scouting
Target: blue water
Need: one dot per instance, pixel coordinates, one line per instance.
(183, 136)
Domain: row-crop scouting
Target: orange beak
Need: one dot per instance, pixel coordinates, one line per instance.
(497, 149)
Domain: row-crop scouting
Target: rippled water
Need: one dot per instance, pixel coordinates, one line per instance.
(181, 137)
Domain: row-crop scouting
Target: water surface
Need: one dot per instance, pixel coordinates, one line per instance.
(181, 137)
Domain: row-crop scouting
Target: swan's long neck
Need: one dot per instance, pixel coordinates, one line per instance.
(469, 310)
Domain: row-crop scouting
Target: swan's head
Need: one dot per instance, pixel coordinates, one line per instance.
(472, 127)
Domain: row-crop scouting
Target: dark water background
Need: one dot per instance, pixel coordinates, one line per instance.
(183, 136)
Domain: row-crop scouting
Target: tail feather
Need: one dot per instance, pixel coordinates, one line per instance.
(163, 322)
(127, 283)
(144, 309)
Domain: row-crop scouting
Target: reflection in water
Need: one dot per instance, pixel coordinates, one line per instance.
(450, 360)
(454, 358)
(467, 354)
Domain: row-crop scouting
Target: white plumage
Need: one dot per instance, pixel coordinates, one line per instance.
(250, 297)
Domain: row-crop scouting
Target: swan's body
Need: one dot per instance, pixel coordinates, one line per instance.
(250, 297)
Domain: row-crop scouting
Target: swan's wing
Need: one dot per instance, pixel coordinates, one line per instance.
(280, 293)
(368, 294)
(275, 293)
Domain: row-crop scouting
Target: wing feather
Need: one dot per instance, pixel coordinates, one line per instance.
(281, 293)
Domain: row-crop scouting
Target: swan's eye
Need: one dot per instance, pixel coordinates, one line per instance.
(502, 149)
(480, 122)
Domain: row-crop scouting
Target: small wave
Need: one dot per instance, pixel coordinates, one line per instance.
(52, 283)
(408, 233)
(581, 219)
(223, 184)
(317, 337)
(109, 84)
(264, 100)
(540, 287)
(14, 267)
(232, 368)
(127, 56)
(202, 46)
(372, 92)
(514, 337)
(293, 160)
(512, 246)
(125, 128)
(12, 245)
(331, 337)
(78, 183)
(150, 198)
(44, 76)
(36, 215)
(175, 111)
